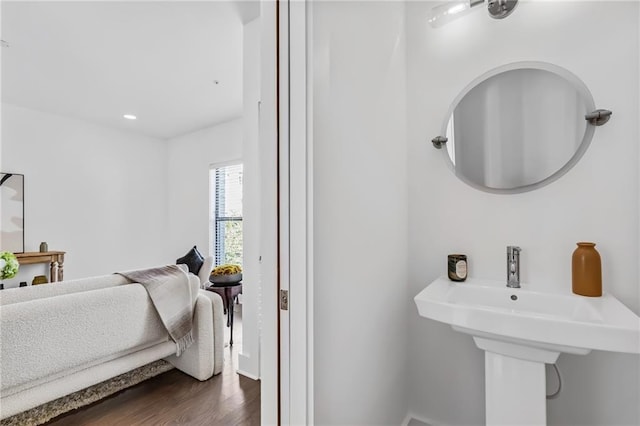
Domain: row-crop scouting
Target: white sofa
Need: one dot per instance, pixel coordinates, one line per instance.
(58, 338)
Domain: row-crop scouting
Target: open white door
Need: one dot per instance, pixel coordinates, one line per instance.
(284, 165)
(268, 153)
(286, 391)
(295, 219)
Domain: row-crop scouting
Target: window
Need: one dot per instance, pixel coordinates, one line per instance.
(225, 229)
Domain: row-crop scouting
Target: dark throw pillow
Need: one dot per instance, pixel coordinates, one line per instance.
(193, 259)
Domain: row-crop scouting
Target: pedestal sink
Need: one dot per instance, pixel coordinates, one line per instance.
(521, 330)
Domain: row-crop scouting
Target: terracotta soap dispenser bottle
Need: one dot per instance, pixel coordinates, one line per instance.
(586, 270)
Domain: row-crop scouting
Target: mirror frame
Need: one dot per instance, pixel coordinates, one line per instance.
(545, 66)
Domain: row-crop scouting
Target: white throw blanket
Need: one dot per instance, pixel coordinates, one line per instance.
(169, 290)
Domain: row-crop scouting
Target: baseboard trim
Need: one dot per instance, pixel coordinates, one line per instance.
(246, 367)
(406, 420)
(427, 421)
(248, 375)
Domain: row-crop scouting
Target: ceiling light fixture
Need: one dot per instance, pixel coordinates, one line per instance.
(129, 116)
(449, 11)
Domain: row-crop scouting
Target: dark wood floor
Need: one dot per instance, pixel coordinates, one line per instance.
(173, 398)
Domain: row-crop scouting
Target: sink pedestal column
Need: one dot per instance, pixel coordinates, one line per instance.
(515, 383)
(515, 391)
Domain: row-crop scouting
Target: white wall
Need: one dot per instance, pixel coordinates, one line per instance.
(94, 192)
(360, 213)
(190, 157)
(596, 201)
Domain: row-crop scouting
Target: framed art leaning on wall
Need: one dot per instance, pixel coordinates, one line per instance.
(12, 212)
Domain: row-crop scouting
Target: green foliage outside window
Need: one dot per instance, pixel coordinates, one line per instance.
(233, 242)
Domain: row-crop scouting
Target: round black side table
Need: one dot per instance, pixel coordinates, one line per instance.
(229, 292)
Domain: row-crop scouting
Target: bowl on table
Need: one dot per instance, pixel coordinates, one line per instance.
(226, 279)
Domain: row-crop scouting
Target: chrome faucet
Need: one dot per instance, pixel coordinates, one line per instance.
(513, 266)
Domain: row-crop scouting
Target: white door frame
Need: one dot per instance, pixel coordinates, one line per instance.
(268, 153)
(300, 219)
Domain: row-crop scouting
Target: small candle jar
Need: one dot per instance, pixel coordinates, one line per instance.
(457, 267)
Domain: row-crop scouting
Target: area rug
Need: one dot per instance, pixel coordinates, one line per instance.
(45, 412)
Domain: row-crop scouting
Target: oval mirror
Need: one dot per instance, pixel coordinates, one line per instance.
(518, 127)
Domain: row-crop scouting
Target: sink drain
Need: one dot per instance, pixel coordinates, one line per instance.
(514, 297)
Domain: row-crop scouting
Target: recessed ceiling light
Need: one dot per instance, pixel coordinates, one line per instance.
(130, 116)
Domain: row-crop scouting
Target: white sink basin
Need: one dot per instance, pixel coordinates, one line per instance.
(562, 322)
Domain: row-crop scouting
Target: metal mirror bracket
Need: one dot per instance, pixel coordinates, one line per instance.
(438, 141)
(598, 117)
(500, 9)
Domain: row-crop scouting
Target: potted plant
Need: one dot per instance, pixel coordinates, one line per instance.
(8, 265)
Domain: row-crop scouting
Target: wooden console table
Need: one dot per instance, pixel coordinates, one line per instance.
(55, 259)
